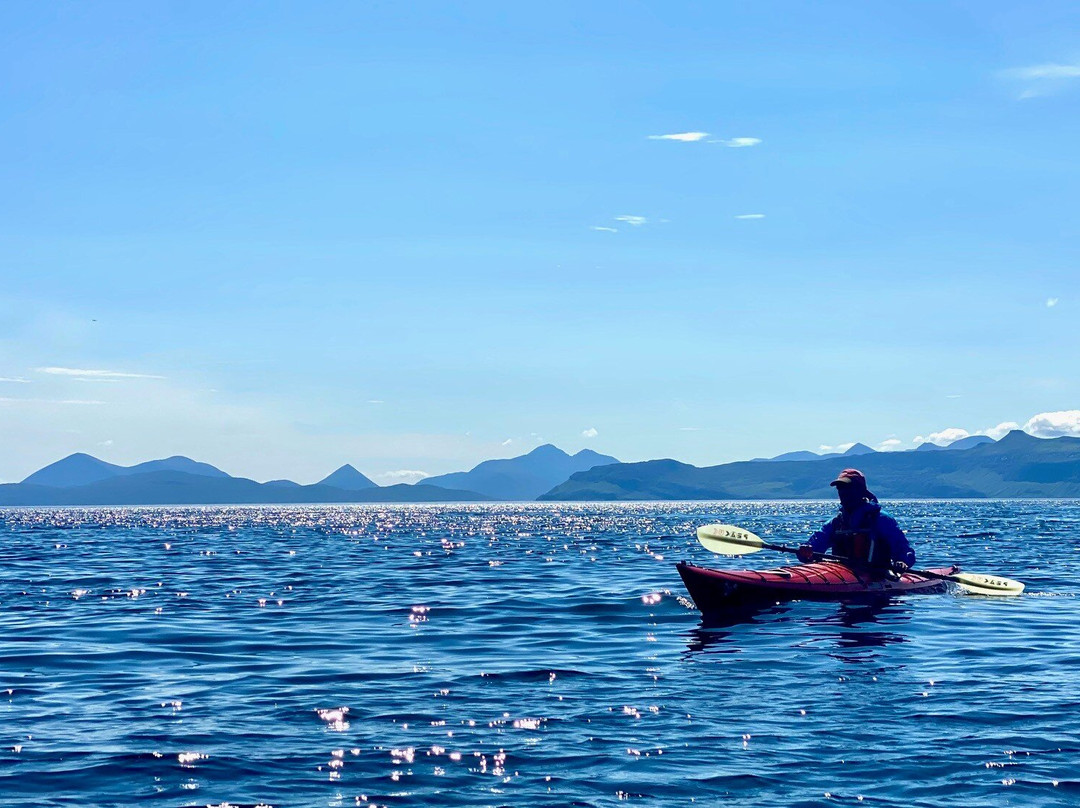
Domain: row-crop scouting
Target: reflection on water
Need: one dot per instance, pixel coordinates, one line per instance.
(846, 628)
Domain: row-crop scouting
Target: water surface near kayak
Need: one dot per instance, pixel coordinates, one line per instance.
(521, 654)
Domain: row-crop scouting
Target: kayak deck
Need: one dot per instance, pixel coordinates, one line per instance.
(719, 590)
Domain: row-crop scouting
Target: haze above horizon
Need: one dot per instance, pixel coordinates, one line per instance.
(412, 239)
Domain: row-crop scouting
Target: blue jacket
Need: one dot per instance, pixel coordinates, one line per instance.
(868, 517)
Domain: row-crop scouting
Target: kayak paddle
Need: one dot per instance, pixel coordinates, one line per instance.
(731, 540)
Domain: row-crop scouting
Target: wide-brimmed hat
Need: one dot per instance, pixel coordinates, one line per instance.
(849, 477)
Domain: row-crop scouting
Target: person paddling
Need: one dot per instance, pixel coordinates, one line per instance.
(861, 532)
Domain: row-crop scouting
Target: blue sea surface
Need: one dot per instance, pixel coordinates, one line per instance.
(491, 655)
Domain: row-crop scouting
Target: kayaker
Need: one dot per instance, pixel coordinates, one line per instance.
(861, 532)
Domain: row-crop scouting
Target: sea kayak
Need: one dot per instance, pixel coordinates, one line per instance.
(721, 590)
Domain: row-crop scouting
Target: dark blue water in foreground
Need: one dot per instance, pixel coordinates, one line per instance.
(513, 655)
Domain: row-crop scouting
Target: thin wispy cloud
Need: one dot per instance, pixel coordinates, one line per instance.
(14, 380)
(507, 442)
(1051, 302)
(589, 433)
(375, 401)
(633, 221)
(682, 137)
(1043, 80)
(750, 216)
(605, 229)
(1047, 71)
(64, 401)
(890, 445)
(689, 428)
(738, 142)
(83, 373)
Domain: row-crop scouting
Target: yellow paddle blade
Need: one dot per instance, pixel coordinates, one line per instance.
(987, 584)
(729, 540)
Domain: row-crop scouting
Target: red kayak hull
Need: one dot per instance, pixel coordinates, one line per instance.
(722, 590)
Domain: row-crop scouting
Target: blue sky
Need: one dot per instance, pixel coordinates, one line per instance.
(411, 237)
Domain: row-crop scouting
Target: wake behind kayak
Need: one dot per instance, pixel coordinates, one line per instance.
(717, 591)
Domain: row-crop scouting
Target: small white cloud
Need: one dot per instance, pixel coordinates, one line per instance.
(684, 137)
(375, 401)
(1001, 430)
(589, 433)
(605, 229)
(738, 142)
(1054, 424)
(106, 442)
(14, 380)
(750, 216)
(954, 395)
(507, 442)
(946, 436)
(840, 447)
(633, 221)
(689, 428)
(402, 476)
(1051, 302)
(95, 374)
(890, 445)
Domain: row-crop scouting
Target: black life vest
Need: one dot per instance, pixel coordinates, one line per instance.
(861, 543)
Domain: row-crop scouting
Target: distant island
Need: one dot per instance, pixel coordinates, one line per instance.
(81, 479)
(1018, 465)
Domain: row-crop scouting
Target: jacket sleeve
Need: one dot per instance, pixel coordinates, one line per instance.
(899, 548)
(822, 540)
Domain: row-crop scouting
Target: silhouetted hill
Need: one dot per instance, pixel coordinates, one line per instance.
(1016, 466)
(75, 469)
(348, 478)
(854, 451)
(522, 478)
(181, 488)
(83, 469)
(963, 443)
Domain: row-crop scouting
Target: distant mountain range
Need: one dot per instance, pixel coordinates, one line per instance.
(81, 479)
(859, 449)
(854, 451)
(525, 477)
(1018, 465)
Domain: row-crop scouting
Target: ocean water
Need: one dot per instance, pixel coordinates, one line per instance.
(536, 655)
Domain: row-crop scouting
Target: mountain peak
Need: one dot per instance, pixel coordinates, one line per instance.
(1017, 437)
(524, 477)
(859, 449)
(547, 449)
(75, 469)
(348, 478)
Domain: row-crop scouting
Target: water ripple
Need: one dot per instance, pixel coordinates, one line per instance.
(520, 654)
